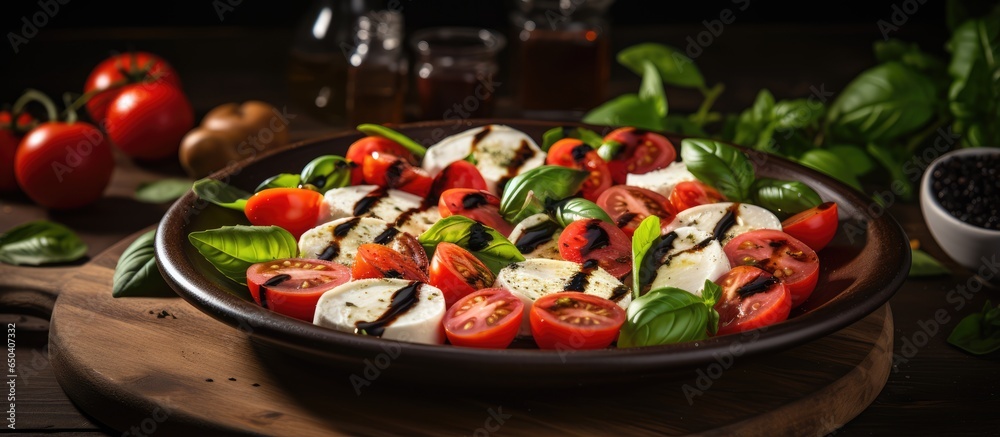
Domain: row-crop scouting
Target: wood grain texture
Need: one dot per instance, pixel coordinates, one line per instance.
(161, 363)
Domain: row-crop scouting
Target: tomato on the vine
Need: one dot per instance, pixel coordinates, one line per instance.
(457, 272)
(295, 209)
(127, 68)
(11, 133)
(488, 318)
(149, 120)
(815, 226)
(640, 152)
(575, 321)
(64, 165)
(293, 286)
(573, 153)
(751, 298)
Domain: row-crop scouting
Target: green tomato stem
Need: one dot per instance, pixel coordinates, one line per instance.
(33, 95)
(711, 94)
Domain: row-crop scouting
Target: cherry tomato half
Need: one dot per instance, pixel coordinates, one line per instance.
(459, 174)
(575, 321)
(815, 226)
(125, 68)
(294, 209)
(641, 152)
(628, 206)
(573, 153)
(293, 286)
(751, 298)
(457, 272)
(369, 146)
(375, 261)
(598, 240)
(64, 165)
(391, 171)
(780, 254)
(689, 194)
(487, 318)
(479, 205)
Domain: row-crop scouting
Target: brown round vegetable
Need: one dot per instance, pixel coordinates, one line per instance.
(231, 132)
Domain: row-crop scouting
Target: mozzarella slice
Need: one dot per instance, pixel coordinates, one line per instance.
(338, 240)
(534, 278)
(403, 310)
(403, 209)
(500, 153)
(663, 180)
(725, 219)
(686, 258)
(537, 237)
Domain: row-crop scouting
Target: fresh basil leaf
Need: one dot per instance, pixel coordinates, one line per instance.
(974, 95)
(490, 246)
(909, 54)
(40, 242)
(651, 89)
(825, 161)
(588, 136)
(894, 165)
(854, 157)
(683, 125)
(548, 183)
(665, 316)
(403, 140)
(136, 274)
(609, 149)
(784, 198)
(326, 173)
(283, 180)
(719, 165)
(222, 194)
(646, 235)
(755, 119)
(978, 333)
(710, 294)
(163, 190)
(882, 104)
(922, 264)
(233, 249)
(674, 67)
(576, 208)
(626, 110)
(797, 114)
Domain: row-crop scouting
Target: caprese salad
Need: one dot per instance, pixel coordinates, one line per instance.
(579, 242)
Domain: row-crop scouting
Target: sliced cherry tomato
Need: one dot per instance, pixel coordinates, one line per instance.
(575, 321)
(408, 246)
(751, 298)
(780, 254)
(391, 171)
(459, 174)
(815, 226)
(293, 286)
(628, 206)
(375, 261)
(294, 209)
(487, 318)
(598, 240)
(479, 205)
(457, 272)
(573, 153)
(640, 152)
(688, 194)
(370, 146)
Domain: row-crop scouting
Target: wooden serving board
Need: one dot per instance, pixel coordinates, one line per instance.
(160, 365)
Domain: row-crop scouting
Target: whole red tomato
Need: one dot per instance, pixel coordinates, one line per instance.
(149, 120)
(64, 165)
(10, 137)
(132, 67)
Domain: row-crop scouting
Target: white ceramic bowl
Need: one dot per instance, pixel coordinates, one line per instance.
(967, 244)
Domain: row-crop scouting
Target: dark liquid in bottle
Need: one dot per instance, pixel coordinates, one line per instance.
(450, 95)
(564, 69)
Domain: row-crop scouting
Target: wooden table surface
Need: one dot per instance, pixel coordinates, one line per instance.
(934, 389)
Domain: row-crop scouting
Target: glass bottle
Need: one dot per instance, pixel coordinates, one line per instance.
(456, 69)
(377, 70)
(562, 55)
(321, 47)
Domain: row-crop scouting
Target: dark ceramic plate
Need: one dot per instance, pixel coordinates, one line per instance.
(860, 270)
